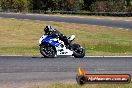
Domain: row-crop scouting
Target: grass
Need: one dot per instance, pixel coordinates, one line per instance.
(69, 85)
(20, 37)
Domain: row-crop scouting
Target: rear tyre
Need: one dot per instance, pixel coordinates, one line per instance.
(47, 51)
(78, 51)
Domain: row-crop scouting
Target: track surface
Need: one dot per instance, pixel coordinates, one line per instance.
(102, 22)
(14, 68)
(47, 69)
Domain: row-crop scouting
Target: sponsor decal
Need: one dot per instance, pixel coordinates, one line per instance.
(83, 78)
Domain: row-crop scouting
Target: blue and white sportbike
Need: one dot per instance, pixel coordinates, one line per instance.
(52, 47)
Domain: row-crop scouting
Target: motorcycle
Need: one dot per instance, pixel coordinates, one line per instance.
(52, 47)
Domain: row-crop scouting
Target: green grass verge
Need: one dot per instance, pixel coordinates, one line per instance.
(66, 85)
(20, 37)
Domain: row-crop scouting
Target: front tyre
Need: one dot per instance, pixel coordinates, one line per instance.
(47, 51)
(78, 51)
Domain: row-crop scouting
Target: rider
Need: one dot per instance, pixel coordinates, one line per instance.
(53, 32)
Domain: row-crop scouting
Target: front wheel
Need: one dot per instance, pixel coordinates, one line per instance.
(78, 51)
(47, 50)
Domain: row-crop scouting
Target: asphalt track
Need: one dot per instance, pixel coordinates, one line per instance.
(13, 68)
(101, 22)
(19, 68)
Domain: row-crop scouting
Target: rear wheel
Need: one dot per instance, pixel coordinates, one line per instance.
(47, 50)
(78, 51)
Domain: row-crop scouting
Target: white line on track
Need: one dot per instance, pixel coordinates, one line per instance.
(108, 56)
(85, 56)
